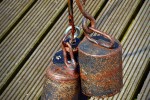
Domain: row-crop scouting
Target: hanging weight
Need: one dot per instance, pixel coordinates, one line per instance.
(100, 67)
(59, 84)
(62, 82)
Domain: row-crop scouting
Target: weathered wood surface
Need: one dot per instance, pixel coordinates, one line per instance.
(21, 41)
(30, 45)
(11, 12)
(117, 15)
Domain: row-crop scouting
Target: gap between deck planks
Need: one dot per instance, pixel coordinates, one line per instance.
(11, 12)
(28, 82)
(145, 91)
(26, 36)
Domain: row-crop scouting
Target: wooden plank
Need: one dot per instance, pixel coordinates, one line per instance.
(11, 12)
(135, 53)
(25, 36)
(29, 81)
(145, 91)
(116, 16)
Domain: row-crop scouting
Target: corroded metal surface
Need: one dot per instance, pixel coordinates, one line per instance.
(54, 90)
(59, 84)
(62, 76)
(100, 68)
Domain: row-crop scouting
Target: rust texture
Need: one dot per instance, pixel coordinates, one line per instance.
(62, 80)
(100, 60)
(100, 68)
(62, 76)
(59, 83)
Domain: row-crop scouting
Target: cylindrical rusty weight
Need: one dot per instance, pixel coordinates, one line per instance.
(59, 84)
(100, 68)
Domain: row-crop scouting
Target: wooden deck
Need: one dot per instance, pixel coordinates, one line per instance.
(31, 31)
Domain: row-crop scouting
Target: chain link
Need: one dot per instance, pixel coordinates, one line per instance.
(89, 30)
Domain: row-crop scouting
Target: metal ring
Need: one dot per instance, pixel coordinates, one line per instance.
(104, 44)
(76, 34)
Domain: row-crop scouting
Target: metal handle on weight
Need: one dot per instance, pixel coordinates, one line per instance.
(71, 65)
(104, 44)
(89, 30)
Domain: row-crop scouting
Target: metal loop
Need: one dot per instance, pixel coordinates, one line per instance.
(71, 65)
(104, 44)
(77, 32)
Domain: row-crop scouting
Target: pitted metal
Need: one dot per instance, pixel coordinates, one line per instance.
(100, 68)
(62, 76)
(59, 83)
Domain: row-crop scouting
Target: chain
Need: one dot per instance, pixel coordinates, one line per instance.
(67, 48)
(71, 19)
(89, 30)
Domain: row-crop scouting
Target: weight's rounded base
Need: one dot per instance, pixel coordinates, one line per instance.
(54, 90)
